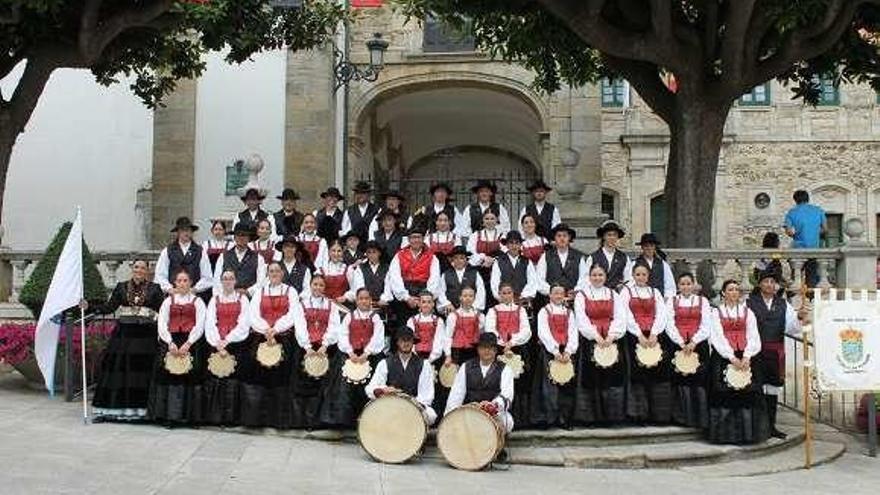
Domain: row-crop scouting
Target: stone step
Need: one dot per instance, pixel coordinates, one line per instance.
(782, 461)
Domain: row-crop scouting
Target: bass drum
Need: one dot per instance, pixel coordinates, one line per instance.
(469, 438)
(391, 428)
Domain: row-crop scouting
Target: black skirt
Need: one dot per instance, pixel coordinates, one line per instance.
(265, 392)
(123, 383)
(521, 409)
(552, 405)
(342, 402)
(650, 392)
(690, 399)
(736, 416)
(223, 395)
(306, 392)
(600, 394)
(178, 398)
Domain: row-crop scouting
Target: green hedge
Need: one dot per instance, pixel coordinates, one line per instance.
(33, 294)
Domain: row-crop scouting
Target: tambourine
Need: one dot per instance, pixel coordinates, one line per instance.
(514, 362)
(221, 364)
(316, 364)
(649, 357)
(686, 363)
(178, 365)
(561, 372)
(605, 357)
(356, 373)
(269, 355)
(736, 378)
(447, 374)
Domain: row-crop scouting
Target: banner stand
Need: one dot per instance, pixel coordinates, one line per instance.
(808, 375)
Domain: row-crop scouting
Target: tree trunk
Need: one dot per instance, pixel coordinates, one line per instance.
(694, 148)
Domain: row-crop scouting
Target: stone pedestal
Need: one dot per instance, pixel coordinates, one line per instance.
(858, 269)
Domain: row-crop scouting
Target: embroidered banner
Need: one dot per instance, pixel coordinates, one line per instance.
(847, 343)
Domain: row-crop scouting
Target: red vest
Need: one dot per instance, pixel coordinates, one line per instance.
(735, 331)
(442, 247)
(272, 308)
(486, 246)
(317, 321)
(181, 317)
(268, 253)
(687, 319)
(312, 247)
(335, 285)
(558, 326)
(360, 332)
(227, 317)
(644, 311)
(466, 332)
(415, 269)
(600, 314)
(425, 331)
(532, 253)
(506, 323)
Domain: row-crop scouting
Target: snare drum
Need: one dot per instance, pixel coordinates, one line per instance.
(469, 438)
(392, 429)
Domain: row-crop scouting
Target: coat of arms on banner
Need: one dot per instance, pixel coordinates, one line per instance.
(852, 354)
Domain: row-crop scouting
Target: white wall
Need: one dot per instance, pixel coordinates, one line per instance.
(85, 145)
(240, 110)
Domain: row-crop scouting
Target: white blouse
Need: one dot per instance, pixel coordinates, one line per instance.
(659, 325)
(617, 329)
(376, 344)
(294, 315)
(323, 253)
(450, 325)
(531, 287)
(439, 343)
(330, 335)
(242, 327)
(546, 336)
(336, 268)
(520, 337)
(719, 341)
(706, 318)
(483, 235)
(165, 311)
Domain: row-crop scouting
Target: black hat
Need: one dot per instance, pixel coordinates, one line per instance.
(288, 194)
(290, 239)
(648, 238)
(416, 228)
(459, 250)
(393, 193)
(373, 245)
(487, 339)
(350, 234)
(184, 223)
(244, 229)
(362, 187)
(563, 227)
(539, 184)
(514, 236)
(440, 185)
(332, 191)
(405, 332)
(608, 226)
(253, 191)
(484, 183)
(768, 273)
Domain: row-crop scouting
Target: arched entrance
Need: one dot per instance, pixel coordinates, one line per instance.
(455, 131)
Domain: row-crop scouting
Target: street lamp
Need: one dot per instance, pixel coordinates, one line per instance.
(346, 71)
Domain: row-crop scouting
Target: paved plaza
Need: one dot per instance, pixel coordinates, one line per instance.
(45, 449)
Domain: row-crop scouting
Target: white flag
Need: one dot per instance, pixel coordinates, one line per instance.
(65, 291)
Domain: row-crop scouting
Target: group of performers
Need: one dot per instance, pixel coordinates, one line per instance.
(302, 318)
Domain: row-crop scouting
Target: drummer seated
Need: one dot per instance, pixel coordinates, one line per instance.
(485, 381)
(405, 372)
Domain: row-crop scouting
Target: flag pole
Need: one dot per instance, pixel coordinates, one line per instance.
(82, 329)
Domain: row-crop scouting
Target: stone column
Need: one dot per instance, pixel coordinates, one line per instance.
(174, 135)
(858, 269)
(310, 120)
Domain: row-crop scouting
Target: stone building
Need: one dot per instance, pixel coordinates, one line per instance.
(440, 110)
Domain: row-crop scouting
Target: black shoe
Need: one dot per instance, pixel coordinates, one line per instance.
(775, 433)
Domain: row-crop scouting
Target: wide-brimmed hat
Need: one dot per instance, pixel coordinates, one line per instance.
(405, 332)
(487, 339)
(539, 184)
(440, 185)
(244, 229)
(290, 239)
(348, 235)
(484, 183)
(768, 273)
(608, 226)
(184, 223)
(514, 236)
(288, 194)
(393, 193)
(253, 192)
(332, 191)
(459, 250)
(362, 186)
(563, 227)
(648, 238)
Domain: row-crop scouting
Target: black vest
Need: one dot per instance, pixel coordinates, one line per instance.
(323, 227)
(453, 288)
(245, 271)
(374, 282)
(771, 322)
(294, 278)
(566, 275)
(361, 224)
(349, 259)
(515, 275)
(405, 379)
(544, 219)
(244, 218)
(188, 261)
(478, 388)
(615, 271)
(286, 225)
(391, 245)
(477, 215)
(432, 216)
(657, 277)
